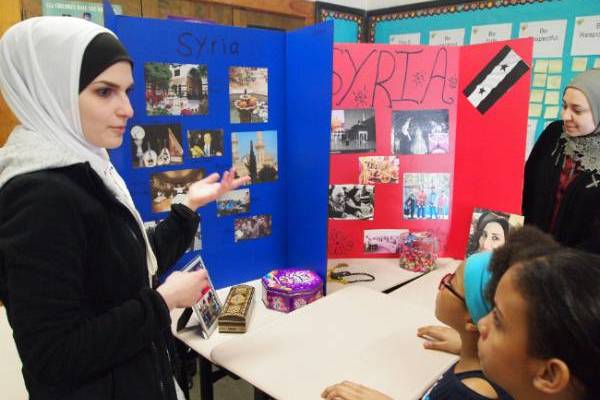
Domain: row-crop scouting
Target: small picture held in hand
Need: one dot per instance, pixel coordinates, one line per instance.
(209, 307)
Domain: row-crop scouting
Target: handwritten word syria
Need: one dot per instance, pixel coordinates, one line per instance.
(193, 45)
(391, 77)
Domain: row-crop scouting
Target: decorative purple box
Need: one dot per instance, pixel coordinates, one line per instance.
(289, 289)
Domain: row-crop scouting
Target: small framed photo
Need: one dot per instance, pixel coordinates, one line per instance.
(209, 307)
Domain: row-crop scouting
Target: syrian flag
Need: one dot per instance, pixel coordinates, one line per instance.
(495, 79)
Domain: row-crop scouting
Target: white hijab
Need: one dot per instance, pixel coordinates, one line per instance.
(40, 63)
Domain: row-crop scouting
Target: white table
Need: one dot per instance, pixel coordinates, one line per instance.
(356, 333)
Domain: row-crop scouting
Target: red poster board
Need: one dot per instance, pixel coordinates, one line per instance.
(415, 97)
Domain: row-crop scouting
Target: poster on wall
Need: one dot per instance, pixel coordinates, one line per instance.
(548, 37)
(586, 36)
(490, 33)
(406, 38)
(79, 9)
(447, 37)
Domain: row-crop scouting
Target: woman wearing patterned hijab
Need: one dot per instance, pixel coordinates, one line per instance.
(77, 268)
(562, 176)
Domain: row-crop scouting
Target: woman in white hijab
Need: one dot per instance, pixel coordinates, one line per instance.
(77, 269)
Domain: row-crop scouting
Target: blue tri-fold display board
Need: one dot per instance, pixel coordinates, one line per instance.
(209, 97)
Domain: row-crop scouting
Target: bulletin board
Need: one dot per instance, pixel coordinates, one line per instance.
(349, 24)
(566, 39)
(208, 97)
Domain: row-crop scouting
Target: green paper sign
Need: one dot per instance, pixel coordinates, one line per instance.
(90, 11)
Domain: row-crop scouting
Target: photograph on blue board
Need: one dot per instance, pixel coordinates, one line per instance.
(205, 142)
(156, 145)
(420, 132)
(426, 195)
(176, 89)
(252, 227)
(171, 187)
(234, 202)
(254, 154)
(248, 94)
(353, 131)
(194, 246)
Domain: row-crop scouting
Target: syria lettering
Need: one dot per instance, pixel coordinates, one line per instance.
(393, 75)
(193, 45)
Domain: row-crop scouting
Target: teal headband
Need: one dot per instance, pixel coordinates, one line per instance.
(476, 277)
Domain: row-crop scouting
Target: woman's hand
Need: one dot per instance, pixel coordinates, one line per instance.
(441, 338)
(208, 189)
(347, 390)
(183, 289)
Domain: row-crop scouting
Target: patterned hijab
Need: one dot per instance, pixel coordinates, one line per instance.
(585, 150)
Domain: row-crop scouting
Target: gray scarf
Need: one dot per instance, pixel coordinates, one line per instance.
(585, 150)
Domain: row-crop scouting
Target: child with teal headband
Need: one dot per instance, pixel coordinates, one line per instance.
(460, 303)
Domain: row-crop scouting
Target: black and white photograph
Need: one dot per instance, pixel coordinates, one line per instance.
(351, 202)
(194, 246)
(156, 145)
(234, 202)
(426, 195)
(252, 227)
(208, 308)
(248, 95)
(176, 89)
(254, 154)
(420, 132)
(383, 241)
(353, 131)
(205, 143)
(171, 187)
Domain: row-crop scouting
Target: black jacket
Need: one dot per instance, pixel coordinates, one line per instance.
(74, 281)
(578, 218)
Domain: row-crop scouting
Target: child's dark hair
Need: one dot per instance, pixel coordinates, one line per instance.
(521, 244)
(561, 289)
(563, 306)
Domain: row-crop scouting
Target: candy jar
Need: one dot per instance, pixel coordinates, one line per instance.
(418, 252)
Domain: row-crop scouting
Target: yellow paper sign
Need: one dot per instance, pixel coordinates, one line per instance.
(537, 96)
(555, 66)
(541, 67)
(535, 110)
(551, 112)
(579, 64)
(552, 97)
(554, 81)
(539, 80)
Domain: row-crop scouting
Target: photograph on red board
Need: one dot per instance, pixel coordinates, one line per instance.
(378, 169)
(420, 132)
(383, 241)
(352, 131)
(490, 228)
(351, 202)
(426, 195)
